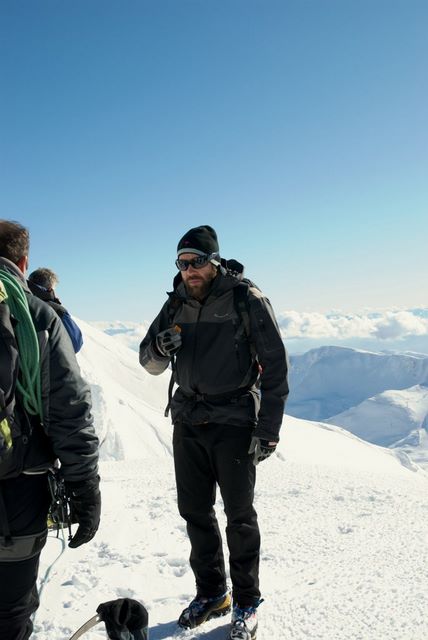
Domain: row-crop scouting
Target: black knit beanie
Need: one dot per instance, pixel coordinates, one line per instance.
(200, 240)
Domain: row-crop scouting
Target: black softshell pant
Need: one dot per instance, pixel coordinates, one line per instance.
(206, 455)
(26, 499)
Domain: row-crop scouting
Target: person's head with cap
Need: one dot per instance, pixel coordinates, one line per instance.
(200, 241)
(198, 258)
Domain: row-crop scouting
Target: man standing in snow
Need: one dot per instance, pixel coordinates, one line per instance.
(42, 283)
(46, 416)
(230, 366)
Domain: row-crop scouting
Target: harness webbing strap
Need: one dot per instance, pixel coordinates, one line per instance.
(7, 538)
(170, 388)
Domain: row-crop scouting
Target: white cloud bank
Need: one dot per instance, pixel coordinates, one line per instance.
(385, 325)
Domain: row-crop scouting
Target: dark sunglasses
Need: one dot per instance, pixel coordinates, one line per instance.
(196, 263)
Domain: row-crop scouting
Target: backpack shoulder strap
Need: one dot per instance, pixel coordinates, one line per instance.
(9, 369)
(242, 308)
(174, 304)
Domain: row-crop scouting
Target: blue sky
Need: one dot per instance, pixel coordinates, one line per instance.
(296, 128)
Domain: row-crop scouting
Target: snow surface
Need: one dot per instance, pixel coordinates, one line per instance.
(380, 397)
(404, 412)
(344, 526)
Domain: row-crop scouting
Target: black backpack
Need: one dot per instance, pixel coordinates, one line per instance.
(240, 296)
(15, 425)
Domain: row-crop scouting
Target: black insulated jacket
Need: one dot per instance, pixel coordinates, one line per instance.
(67, 432)
(223, 375)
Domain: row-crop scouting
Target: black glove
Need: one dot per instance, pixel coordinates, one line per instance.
(85, 509)
(168, 342)
(261, 449)
(125, 619)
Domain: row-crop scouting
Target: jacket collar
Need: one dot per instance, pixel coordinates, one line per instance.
(10, 267)
(48, 295)
(222, 282)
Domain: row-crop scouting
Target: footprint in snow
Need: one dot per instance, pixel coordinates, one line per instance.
(345, 529)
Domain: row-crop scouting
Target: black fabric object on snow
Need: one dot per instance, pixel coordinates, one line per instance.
(125, 619)
(201, 240)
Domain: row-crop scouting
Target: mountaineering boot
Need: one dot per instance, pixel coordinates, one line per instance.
(202, 609)
(244, 622)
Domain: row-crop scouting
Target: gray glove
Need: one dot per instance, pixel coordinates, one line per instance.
(168, 342)
(261, 449)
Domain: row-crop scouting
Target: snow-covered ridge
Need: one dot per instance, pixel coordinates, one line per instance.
(407, 412)
(394, 418)
(378, 396)
(330, 380)
(128, 403)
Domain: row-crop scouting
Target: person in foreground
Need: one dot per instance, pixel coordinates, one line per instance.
(42, 283)
(45, 416)
(220, 335)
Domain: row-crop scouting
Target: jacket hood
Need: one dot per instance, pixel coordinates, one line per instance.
(10, 267)
(48, 295)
